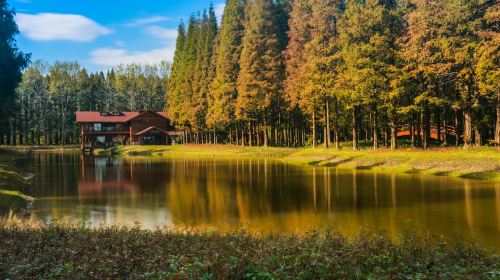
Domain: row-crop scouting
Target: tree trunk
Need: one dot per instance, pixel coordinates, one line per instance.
(314, 128)
(419, 131)
(243, 138)
(12, 134)
(250, 136)
(426, 127)
(63, 123)
(445, 124)
(288, 131)
(394, 135)
(467, 127)
(355, 125)
(412, 130)
(457, 129)
(478, 140)
(236, 135)
(375, 127)
(386, 137)
(336, 124)
(438, 122)
(266, 136)
(327, 119)
(497, 126)
(337, 142)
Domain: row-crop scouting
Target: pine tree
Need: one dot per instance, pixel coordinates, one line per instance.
(322, 65)
(368, 41)
(189, 58)
(260, 78)
(174, 96)
(221, 102)
(488, 59)
(204, 70)
(199, 77)
(295, 60)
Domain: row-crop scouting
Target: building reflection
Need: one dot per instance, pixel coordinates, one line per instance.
(103, 175)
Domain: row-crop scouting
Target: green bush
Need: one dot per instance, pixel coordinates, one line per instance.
(78, 252)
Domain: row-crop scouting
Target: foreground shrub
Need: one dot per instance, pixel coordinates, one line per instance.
(73, 252)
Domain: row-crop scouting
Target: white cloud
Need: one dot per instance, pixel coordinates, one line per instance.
(116, 56)
(219, 10)
(50, 27)
(143, 21)
(166, 34)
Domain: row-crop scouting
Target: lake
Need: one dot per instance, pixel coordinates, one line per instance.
(263, 195)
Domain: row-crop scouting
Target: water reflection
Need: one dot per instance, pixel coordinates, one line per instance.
(263, 195)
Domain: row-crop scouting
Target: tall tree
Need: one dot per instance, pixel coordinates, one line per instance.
(12, 62)
(296, 58)
(174, 96)
(488, 59)
(261, 77)
(33, 99)
(204, 70)
(189, 58)
(368, 34)
(63, 89)
(323, 61)
(221, 102)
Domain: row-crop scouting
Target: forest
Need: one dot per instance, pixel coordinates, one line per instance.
(305, 72)
(49, 96)
(415, 73)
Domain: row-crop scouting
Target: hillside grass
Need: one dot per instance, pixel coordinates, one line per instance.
(78, 252)
(477, 163)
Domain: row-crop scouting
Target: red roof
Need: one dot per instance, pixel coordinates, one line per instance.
(92, 117)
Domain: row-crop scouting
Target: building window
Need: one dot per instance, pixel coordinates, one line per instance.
(97, 126)
(101, 139)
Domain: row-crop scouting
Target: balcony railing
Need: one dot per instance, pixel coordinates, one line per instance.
(106, 129)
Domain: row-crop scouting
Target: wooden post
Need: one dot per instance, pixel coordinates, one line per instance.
(130, 133)
(82, 137)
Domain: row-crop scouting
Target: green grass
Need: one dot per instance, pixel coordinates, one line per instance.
(78, 252)
(478, 163)
(13, 184)
(28, 148)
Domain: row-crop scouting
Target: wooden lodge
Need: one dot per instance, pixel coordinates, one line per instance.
(108, 129)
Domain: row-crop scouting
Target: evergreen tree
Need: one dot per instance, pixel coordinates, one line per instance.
(368, 39)
(322, 65)
(174, 96)
(221, 102)
(488, 59)
(261, 76)
(12, 62)
(189, 58)
(204, 71)
(296, 57)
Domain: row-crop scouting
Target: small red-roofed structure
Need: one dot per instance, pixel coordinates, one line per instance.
(108, 129)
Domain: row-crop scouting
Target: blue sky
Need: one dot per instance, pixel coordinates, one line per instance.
(102, 34)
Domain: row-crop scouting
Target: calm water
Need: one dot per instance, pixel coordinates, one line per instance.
(263, 195)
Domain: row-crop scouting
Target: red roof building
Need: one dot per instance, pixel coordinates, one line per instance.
(107, 129)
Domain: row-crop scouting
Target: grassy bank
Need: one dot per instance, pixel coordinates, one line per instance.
(479, 163)
(43, 148)
(13, 184)
(59, 251)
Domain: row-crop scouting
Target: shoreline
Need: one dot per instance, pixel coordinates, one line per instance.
(473, 163)
(14, 183)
